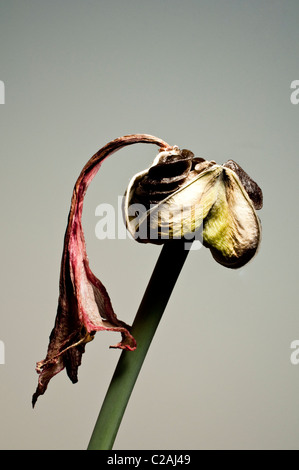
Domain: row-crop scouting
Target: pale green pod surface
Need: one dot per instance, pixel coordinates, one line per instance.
(181, 194)
(232, 229)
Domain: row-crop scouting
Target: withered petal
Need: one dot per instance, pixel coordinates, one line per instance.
(84, 306)
(252, 188)
(220, 198)
(232, 229)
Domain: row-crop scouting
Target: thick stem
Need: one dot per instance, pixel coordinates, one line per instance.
(157, 294)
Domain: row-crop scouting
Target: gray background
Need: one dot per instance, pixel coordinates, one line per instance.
(211, 76)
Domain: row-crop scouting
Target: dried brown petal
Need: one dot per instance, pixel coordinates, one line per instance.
(84, 306)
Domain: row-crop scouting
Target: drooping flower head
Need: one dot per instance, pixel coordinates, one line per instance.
(181, 193)
(174, 198)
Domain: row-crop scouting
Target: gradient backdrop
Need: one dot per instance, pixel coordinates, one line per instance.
(210, 76)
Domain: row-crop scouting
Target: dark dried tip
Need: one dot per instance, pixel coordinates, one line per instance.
(252, 188)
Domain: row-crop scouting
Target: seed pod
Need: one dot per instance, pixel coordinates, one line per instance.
(181, 194)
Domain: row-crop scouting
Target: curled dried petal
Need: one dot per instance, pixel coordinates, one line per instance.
(84, 306)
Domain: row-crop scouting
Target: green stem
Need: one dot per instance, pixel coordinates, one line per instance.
(161, 284)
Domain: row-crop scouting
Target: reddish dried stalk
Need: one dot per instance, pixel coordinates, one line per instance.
(84, 306)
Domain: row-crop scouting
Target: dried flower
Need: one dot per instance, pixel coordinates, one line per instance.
(169, 194)
(181, 193)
